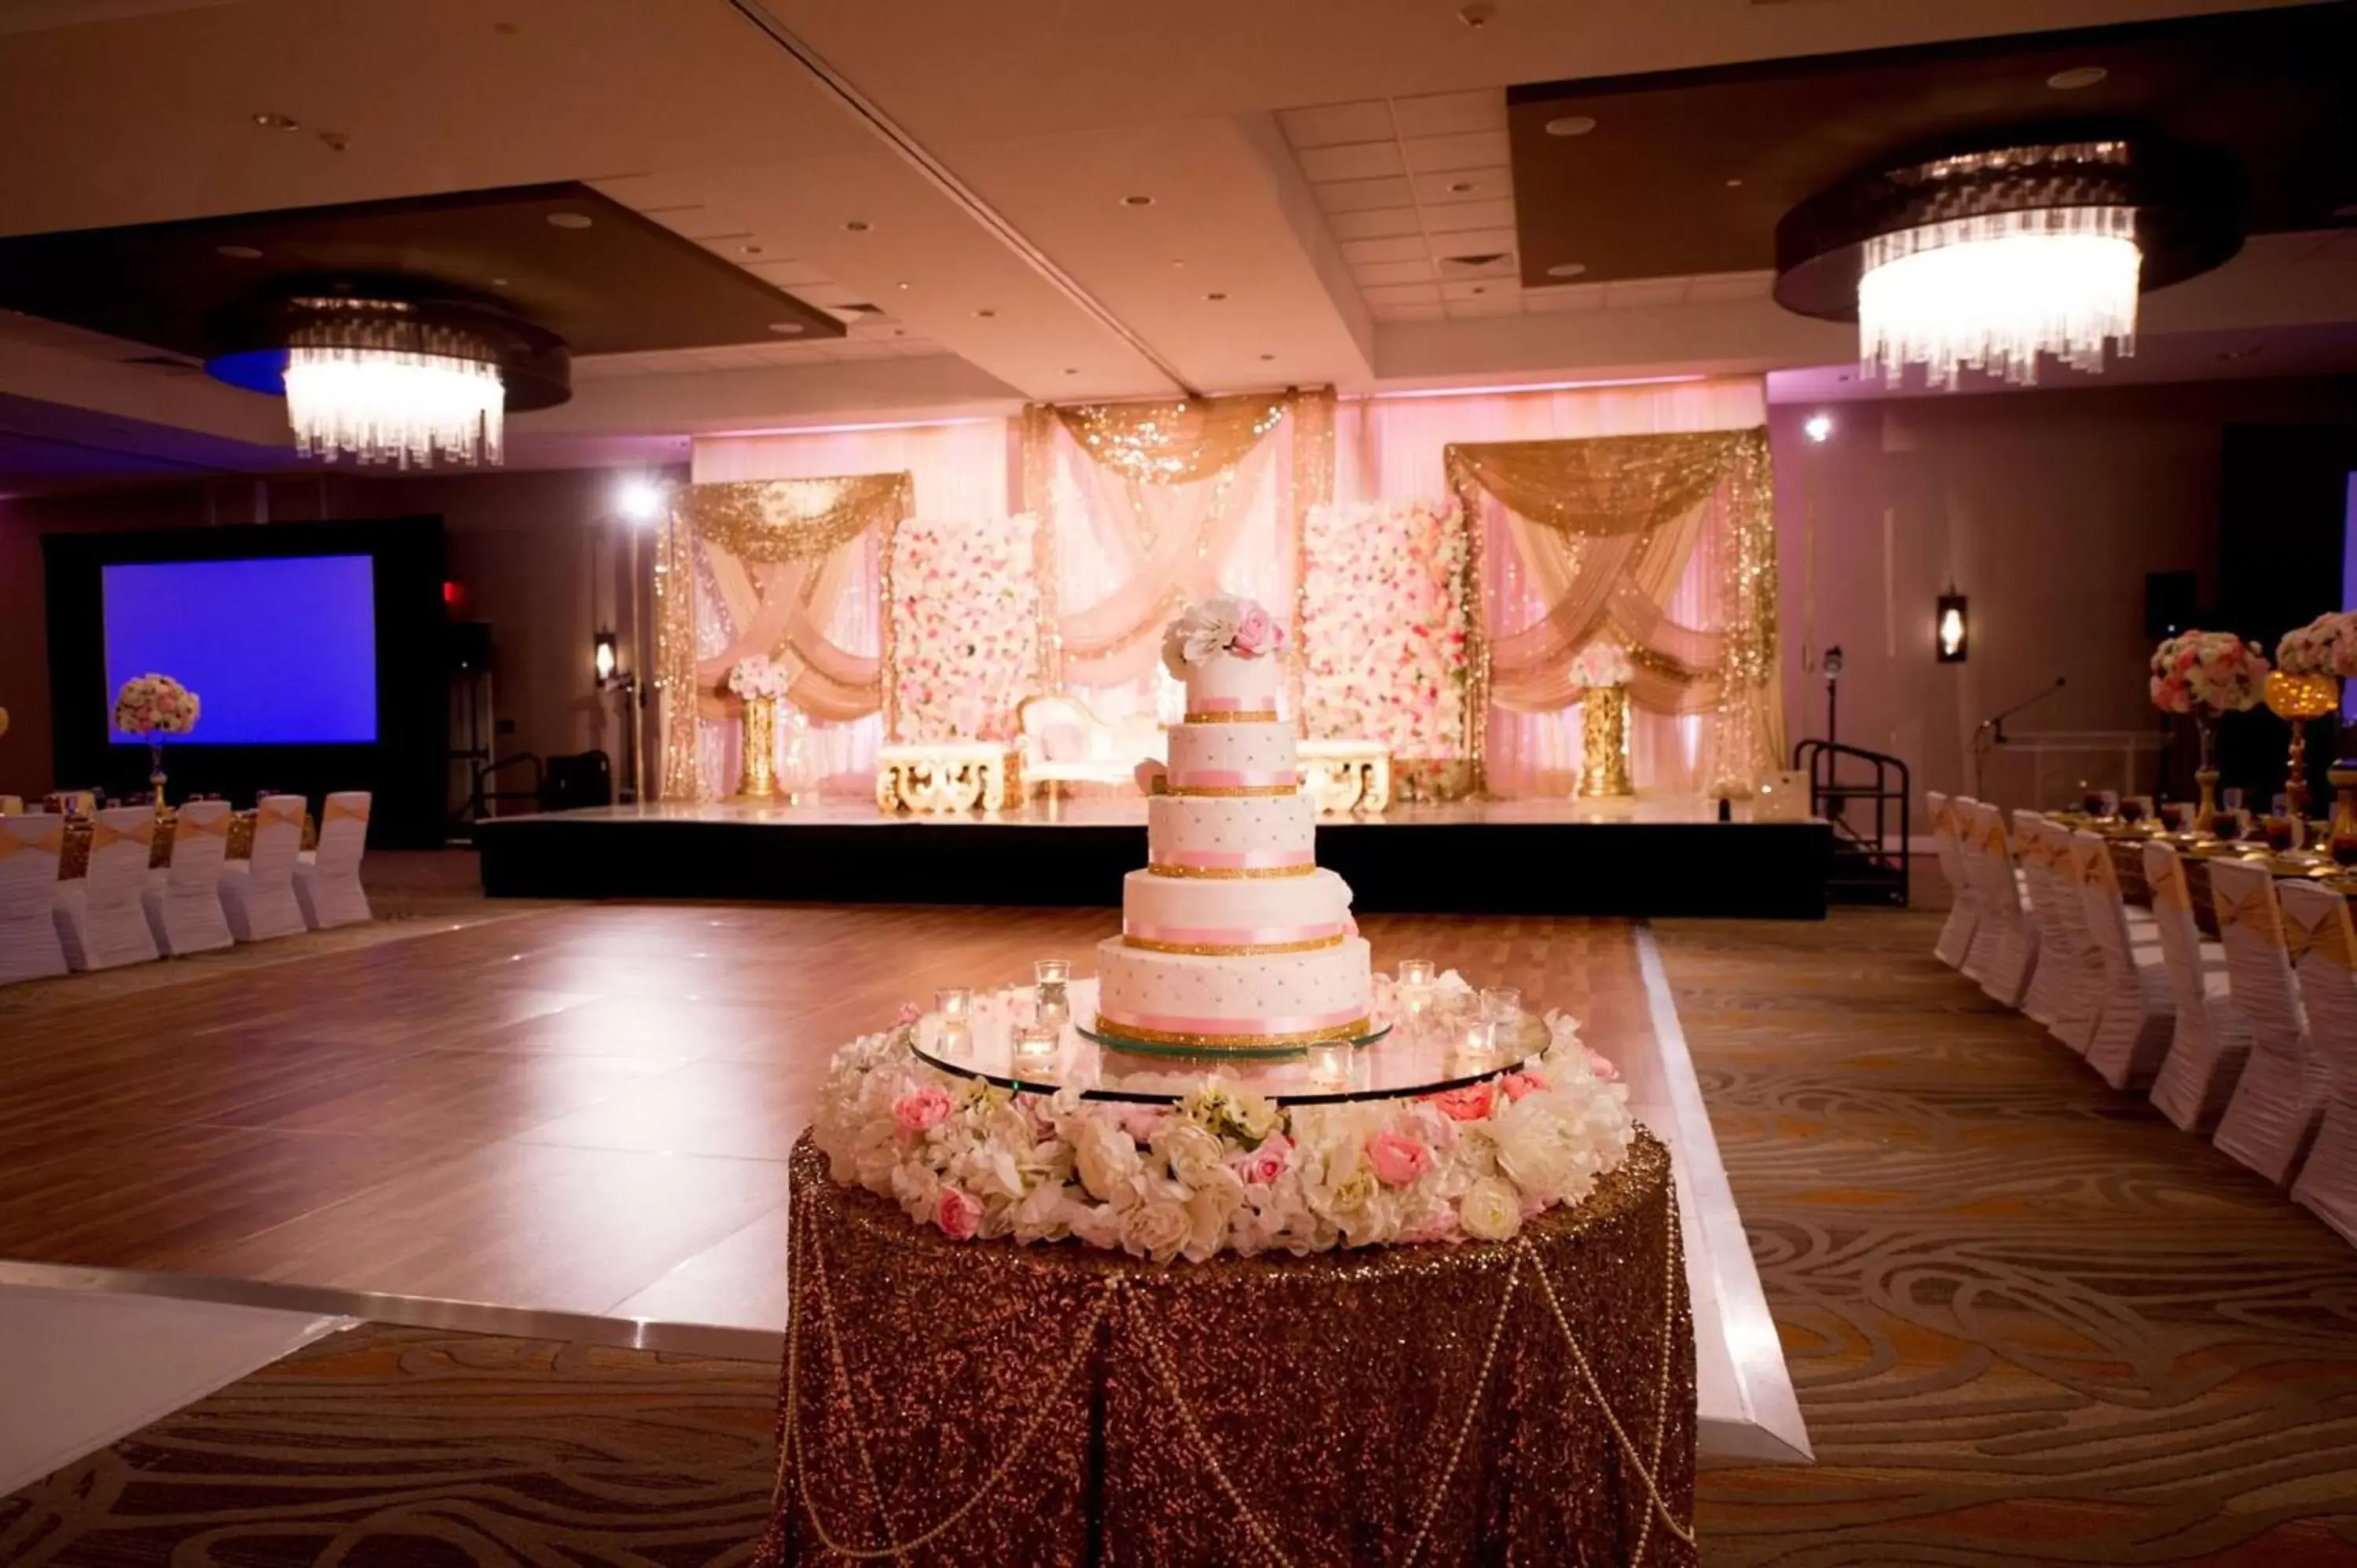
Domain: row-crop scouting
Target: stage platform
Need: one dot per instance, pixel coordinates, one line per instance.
(1666, 855)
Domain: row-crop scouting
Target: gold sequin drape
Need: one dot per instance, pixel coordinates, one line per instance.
(1607, 526)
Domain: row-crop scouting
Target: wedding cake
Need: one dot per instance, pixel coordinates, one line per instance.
(1232, 936)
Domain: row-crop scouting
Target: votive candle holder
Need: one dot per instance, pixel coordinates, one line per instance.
(1330, 1064)
(954, 1002)
(1501, 1001)
(1035, 1049)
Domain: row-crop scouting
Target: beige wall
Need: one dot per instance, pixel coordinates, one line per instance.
(538, 554)
(2048, 508)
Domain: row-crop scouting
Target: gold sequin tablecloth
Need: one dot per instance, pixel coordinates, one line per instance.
(1529, 1402)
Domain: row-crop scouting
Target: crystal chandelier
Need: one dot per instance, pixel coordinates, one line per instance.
(1987, 258)
(373, 379)
(1992, 293)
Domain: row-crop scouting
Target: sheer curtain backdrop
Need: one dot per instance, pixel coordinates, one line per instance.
(1388, 446)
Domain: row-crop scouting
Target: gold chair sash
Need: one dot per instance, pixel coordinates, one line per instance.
(211, 827)
(2330, 939)
(103, 834)
(344, 812)
(2256, 914)
(2169, 886)
(50, 843)
(282, 808)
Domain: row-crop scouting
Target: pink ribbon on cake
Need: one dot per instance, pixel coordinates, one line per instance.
(1226, 705)
(1239, 859)
(1232, 778)
(1235, 936)
(1266, 1024)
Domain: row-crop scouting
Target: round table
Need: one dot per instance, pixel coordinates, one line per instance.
(1530, 1400)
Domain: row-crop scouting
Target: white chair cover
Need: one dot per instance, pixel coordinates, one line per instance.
(328, 881)
(29, 849)
(258, 895)
(183, 900)
(1964, 910)
(2078, 999)
(99, 917)
(2211, 1039)
(2036, 845)
(2317, 926)
(2137, 1015)
(2280, 1096)
(2002, 955)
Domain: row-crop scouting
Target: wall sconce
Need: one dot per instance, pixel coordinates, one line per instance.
(1952, 628)
(1818, 427)
(605, 657)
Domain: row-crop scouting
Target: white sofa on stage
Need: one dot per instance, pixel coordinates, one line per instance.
(1065, 743)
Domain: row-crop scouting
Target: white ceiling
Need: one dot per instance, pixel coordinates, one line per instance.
(1303, 159)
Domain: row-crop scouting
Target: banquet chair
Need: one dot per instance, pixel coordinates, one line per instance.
(1965, 909)
(2211, 1039)
(2317, 924)
(327, 880)
(100, 916)
(183, 900)
(2062, 959)
(30, 847)
(2137, 1013)
(2002, 955)
(2079, 1000)
(258, 895)
(2280, 1096)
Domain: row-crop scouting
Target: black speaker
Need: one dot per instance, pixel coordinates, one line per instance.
(2171, 604)
(586, 779)
(469, 645)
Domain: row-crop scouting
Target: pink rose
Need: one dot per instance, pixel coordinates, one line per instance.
(1257, 634)
(920, 1108)
(1517, 1084)
(1441, 1227)
(1398, 1159)
(1602, 1067)
(1470, 1103)
(1260, 1167)
(960, 1214)
(907, 1014)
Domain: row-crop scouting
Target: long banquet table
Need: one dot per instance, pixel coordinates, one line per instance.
(2125, 846)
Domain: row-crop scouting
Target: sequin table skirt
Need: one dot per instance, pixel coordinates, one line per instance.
(1530, 1402)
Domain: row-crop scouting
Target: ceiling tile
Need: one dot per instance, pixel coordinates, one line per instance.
(1569, 297)
(1490, 187)
(1351, 160)
(1720, 287)
(1477, 149)
(1333, 123)
(1361, 195)
(1401, 248)
(1377, 223)
(1418, 271)
(1478, 289)
(1408, 312)
(1644, 294)
(1487, 304)
(1404, 293)
(1461, 216)
(1451, 113)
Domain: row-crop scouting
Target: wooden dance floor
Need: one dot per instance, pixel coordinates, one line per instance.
(579, 1109)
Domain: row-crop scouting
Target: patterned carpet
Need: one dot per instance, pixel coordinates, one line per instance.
(2029, 1321)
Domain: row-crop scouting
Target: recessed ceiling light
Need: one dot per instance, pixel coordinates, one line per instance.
(1566, 269)
(985, 315)
(901, 286)
(238, 253)
(856, 225)
(2076, 77)
(498, 283)
(1480, 288)
(270, 122)
(786, 328)
(1733, 183)
(1268, 356)
(569, 220)
(1072, 371)
(1462, 188)
(748, 250)
(1215, 298)
(1476, 12)
(1178, 260)
(1137, 201)
(1571, 125)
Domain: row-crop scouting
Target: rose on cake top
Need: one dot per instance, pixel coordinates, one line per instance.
(1224, 623)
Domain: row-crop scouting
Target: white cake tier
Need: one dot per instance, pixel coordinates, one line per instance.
(1226, 684)
(1273, 999)
(1257, 756)
(1274, 914)
(1225, 836)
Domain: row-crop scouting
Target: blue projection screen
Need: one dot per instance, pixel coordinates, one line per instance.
(279, 650)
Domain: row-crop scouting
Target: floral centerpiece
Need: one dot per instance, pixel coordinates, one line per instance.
(2207, 674)
(2310, 664)
(1602, 662)
(1224, 623)
(2325, 646)
(152, 706)
(757, 678)
(1386, 634)
(762, 683)
(1221, 1169)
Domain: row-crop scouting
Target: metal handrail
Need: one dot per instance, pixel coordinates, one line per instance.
(1891, 788)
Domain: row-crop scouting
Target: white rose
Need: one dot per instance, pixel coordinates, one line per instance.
(1207, 1221)
(1490, 1211)
(1255, 1113)
(1105, 1155)
(1197, 1157)
(1155, 1228)
(1534, 1152)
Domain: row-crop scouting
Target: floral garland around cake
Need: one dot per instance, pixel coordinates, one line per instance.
(1224, 623)
(2325, 646)
(1221, 1169)
(153, 705)
(1602, 662)
(966, 626)
(2207, 672)
(1385, 621)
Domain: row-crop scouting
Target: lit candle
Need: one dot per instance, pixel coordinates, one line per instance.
(1330, 1064)
(953, 1036)
(954, 1002)
(1035, 1049)
(1054, 1008)
(1501, 1001)
(1415, 976)
(1472, 1053)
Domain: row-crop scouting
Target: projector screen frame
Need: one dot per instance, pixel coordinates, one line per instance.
(404, 766)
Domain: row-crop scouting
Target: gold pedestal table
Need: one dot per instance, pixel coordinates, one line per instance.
(981, 1402)
(948, 775)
